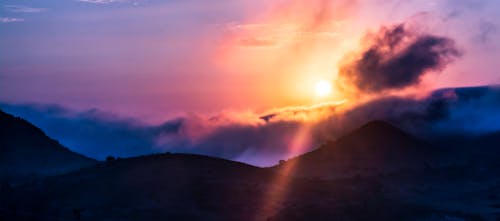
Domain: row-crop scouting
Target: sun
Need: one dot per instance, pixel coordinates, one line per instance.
(323, 88)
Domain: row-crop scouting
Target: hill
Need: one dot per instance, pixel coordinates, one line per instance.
(27, 153)
(194, 187)
(155, 187)
(376, 147)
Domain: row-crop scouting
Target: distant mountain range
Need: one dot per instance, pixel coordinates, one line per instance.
(376, 172)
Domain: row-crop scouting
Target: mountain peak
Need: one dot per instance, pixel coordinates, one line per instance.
(377, 138)
(374, 147)
(380, 129)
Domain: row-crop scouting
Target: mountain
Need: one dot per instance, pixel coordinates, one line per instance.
(376, 147)
(27, 153)
(194, 187)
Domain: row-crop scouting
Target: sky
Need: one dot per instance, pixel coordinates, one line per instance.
(156, 59)
(217, 67)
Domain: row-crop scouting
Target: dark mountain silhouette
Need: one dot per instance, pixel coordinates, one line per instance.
(26, 152)
(193, 187)
(375, 147)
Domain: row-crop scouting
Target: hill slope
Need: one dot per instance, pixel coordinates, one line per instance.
(26, 152)
(155, 187)
(194, 187)
(373, 148)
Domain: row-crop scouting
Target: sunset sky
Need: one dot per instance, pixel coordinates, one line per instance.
(155, 59)
(159, 61)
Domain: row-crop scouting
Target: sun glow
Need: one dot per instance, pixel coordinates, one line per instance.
(323, 88)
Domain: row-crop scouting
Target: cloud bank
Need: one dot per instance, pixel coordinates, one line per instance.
(265, 139)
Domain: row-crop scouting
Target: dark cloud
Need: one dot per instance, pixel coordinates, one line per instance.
(395, 58)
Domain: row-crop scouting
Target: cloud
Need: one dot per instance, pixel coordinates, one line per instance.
(10, 20)
(257, 42)
(92, 133)
(243, 136)
(288, 23)
(24, 9)
(303, 112)
(487, 31)
(467, 111)
(101, 2)
(263, 139)
(395, 58)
